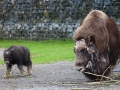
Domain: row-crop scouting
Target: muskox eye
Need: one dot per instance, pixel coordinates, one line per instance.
(84, 50)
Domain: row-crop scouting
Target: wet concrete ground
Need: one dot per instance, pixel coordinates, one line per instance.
(56, 76)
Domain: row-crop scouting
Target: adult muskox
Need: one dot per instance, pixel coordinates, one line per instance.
(96, 45)
(19, 55)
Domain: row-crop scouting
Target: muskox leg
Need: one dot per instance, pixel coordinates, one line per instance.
(21, 70)
(8, 67)
(29, 69)
(110, 73)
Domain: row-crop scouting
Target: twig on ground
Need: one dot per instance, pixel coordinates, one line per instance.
(99, 75)
(105, 72)
(110, 79)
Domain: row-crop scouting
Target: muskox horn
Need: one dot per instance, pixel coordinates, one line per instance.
(81, 43)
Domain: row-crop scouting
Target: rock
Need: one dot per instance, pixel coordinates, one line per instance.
(52, 15)
(46, 14)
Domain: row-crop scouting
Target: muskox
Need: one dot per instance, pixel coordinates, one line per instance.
(18, 55)
(96, 46)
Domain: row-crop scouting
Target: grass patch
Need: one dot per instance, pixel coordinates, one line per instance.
(45, 51)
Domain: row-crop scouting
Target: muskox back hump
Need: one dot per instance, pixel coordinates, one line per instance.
(20, 54)
(105, 40)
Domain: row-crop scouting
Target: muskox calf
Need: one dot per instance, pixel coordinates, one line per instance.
(97, 46)
(19, 55)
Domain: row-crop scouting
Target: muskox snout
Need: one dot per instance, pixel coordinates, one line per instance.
(79, 65)
(6, 62)
(80, 69)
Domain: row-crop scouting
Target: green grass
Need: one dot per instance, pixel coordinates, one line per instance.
(44, 51)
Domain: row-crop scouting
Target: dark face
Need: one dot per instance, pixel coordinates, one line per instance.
(87, 59)
(81, 55)
(7, 56)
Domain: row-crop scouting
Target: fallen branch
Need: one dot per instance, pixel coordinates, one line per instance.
(99, 75)
(110, 79)
(105, 72)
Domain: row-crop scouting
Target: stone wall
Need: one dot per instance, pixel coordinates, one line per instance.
(49, 19)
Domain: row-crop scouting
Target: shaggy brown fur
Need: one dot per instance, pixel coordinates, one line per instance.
(104, 34)
(20, 56)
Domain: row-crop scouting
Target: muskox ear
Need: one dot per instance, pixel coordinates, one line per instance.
(79, 38)
(12, 51)
(4, 52)
(91, 40)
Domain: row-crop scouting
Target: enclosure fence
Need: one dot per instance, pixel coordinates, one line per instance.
(49, 19)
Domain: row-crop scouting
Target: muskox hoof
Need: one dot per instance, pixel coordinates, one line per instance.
(112, 76)
(22, 74)
(6, 76)
(29, 72)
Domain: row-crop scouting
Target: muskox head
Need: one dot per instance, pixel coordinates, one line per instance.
(88, 59)
(7, 56)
